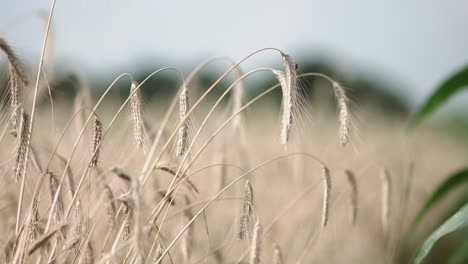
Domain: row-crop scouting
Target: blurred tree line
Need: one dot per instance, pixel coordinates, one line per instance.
(362, 88)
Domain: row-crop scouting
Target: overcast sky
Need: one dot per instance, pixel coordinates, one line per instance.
(416, 42)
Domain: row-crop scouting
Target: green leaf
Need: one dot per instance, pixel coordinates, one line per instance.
(442, 190)
(455, 222)
(443, 92)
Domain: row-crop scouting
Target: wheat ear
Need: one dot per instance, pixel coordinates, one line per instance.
(256, 246)
(289, 89)
(353, 195)
(136, 114)
(277, 256)
(21, 145)
(108, 199)
(182, 136)
(17, 76)
(326, 194)
(53, 188)
(246, 210)
(97, 142)
(44, 239)
(343, 112)
(386, 198)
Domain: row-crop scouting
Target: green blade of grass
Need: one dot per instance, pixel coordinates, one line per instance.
(444, 91)
(442, 190)
(455, 222)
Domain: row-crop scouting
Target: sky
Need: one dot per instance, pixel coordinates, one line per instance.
(417, 43)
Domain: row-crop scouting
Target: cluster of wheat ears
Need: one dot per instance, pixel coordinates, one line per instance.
(70, 208)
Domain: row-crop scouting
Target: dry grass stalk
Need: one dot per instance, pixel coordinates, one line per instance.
(182, 136)
(22, 144)
(97, 142)
(344, 112)
(351, 179)
(326, 194)
(277, 256)
(386, 198)
(246, 210)
(256, 245)
(136, 114)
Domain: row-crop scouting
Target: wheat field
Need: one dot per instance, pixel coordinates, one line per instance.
(198, 178)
